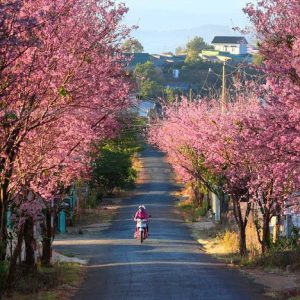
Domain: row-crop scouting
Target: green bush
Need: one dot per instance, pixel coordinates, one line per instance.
(3, 275)
(192, 212)
(113, 169)
(45, 283)
(201, 211)
(279, 259)
(112, 162)
(285, 251)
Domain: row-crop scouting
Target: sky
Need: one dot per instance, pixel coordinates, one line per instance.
(185, 16)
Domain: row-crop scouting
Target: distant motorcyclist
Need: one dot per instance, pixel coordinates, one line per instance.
(141, 213)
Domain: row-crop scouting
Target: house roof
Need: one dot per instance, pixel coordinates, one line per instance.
(229, 40)
(138, 58)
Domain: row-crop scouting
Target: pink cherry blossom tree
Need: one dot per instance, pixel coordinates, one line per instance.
(254, 146)
(63, 84)
(276, 24)
(201, 143)
(228, 151)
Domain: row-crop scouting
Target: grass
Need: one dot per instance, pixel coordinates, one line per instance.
(56, 282)
(279, 259)
(101, 214)
(222, 241)
(224, 244)
(3, 272)
(191, 213)
(67, 254)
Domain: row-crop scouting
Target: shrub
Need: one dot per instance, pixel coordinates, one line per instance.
(3, 274)
(230, 241)
(279, 259)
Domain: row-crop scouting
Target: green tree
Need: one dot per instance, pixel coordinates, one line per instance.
(192, 49)
(148, 80)
(150, 89)
(169, 95)
(257, 59)
(192, 57)
(197, 44)
(112, 165)
(180, 50)
(113, 169)
(145, 71)
(132, 46)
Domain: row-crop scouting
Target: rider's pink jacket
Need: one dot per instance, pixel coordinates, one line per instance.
(141, 215)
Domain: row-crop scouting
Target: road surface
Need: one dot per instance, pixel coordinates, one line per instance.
(168, 265)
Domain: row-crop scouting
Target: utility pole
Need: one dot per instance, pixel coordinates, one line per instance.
(223, 96)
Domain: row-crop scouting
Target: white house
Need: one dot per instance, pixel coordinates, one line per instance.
(232, 44)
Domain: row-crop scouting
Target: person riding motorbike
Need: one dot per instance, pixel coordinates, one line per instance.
(141, 213)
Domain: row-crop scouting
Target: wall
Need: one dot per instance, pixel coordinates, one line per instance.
(232, 48)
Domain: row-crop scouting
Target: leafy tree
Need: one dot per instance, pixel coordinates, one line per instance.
(132, 46)
(148, 80)
(197, 44)
(145, 71)
(112, 162)
(180, 50)
(150, 89)
(113, 169)
(48, 120)
(257, 59)
(169, 95)
(192, 57)
(193, 48)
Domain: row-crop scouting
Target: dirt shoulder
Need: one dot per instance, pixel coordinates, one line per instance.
(100, 218)
(279, 284)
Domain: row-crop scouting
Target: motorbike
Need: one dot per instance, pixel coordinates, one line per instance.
(141, 232)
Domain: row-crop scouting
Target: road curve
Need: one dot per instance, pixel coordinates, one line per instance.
(168, 265)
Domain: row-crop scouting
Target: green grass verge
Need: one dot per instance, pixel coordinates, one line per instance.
(56, 282)
(191, 213)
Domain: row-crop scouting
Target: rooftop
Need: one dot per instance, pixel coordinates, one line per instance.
(138, 58)
(229, 40)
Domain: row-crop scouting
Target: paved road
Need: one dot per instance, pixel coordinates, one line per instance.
(168, 265)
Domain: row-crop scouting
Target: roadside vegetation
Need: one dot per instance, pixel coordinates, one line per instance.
(64, 119)
(58, 282)
(221, 239)
(242, 151)
(113, 161)
(115, 168)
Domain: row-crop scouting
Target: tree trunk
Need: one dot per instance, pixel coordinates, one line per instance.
(11, 149)
(276, 229)
(266, 242)
(14, 258)
(29, 245)
(47, 237)
(242, 223)
(3, 225)
(243, 245)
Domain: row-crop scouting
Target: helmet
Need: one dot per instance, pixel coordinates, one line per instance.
(142, 207)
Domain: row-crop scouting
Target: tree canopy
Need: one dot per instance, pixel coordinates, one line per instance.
(197, 44)
(132, 46)
(148, 80)
(193, 48)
